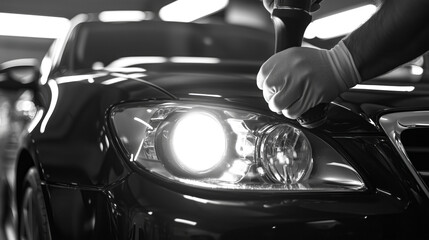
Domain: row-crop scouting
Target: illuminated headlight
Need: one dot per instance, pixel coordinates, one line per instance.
(192, 143)
(222, 148)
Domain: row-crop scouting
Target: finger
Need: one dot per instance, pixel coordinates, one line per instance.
(260, 79)
(300, 107)
(268, 93)
(282, 100)
(294, 111)
(264, 73)
(285, 113)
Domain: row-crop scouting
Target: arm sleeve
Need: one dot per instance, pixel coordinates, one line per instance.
(397, 33)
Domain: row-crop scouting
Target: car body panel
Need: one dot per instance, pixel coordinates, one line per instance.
(123, 192)
(93, 192)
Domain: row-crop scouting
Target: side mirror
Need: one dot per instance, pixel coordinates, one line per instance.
(19, 74)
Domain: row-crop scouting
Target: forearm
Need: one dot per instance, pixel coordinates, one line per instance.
(396, 34)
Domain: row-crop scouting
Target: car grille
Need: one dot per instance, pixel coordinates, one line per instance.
(409, 132)
(416, 144)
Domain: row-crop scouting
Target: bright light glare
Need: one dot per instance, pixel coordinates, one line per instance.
(339, 24)
(23, 25)
(78, 78)
(123, 77)
(118, 16)
(200, 200)
(54, 99)
(190, 10)
(35, 121)
(416, 70)
(205, 95)
(184, 221)
(130, 61)
(198, 142)
(207, 60)
(384, 88)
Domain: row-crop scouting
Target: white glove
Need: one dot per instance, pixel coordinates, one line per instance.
(297, 79)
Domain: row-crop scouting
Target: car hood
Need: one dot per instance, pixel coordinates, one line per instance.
(356, 110)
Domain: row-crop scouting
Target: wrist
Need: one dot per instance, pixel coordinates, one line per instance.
(355, 53)
(343, 65)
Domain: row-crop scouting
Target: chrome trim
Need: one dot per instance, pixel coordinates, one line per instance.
(394, 124)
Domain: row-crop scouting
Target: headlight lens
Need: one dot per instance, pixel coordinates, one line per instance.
(191, 143)
(286, 154)
(217, 147)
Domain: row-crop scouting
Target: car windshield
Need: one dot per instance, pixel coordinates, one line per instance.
(103, 43)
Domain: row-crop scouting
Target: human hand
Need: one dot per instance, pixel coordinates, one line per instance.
(297, 79)
(269, 4)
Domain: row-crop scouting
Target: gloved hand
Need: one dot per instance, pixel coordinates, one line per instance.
(268, 4)
(299, 78)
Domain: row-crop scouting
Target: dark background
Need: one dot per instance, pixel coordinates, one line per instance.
(244, 12)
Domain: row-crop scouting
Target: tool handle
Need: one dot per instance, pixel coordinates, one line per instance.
(289, 28)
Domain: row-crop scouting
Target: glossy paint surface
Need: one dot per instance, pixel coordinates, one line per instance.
(142, 206)
(93, 192)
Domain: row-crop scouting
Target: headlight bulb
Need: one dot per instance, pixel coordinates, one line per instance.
(198, 142)
(285, 154)
(192, 143)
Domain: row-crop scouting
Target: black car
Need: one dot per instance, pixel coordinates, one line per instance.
(157, 130)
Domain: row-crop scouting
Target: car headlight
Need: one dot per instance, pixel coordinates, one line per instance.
(224, 148)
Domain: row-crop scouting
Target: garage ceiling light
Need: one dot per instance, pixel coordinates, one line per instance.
(339, 24)
(190, 10)
(115, 16)
(23, 25)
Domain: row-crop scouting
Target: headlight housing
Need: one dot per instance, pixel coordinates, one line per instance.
(224, 148)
